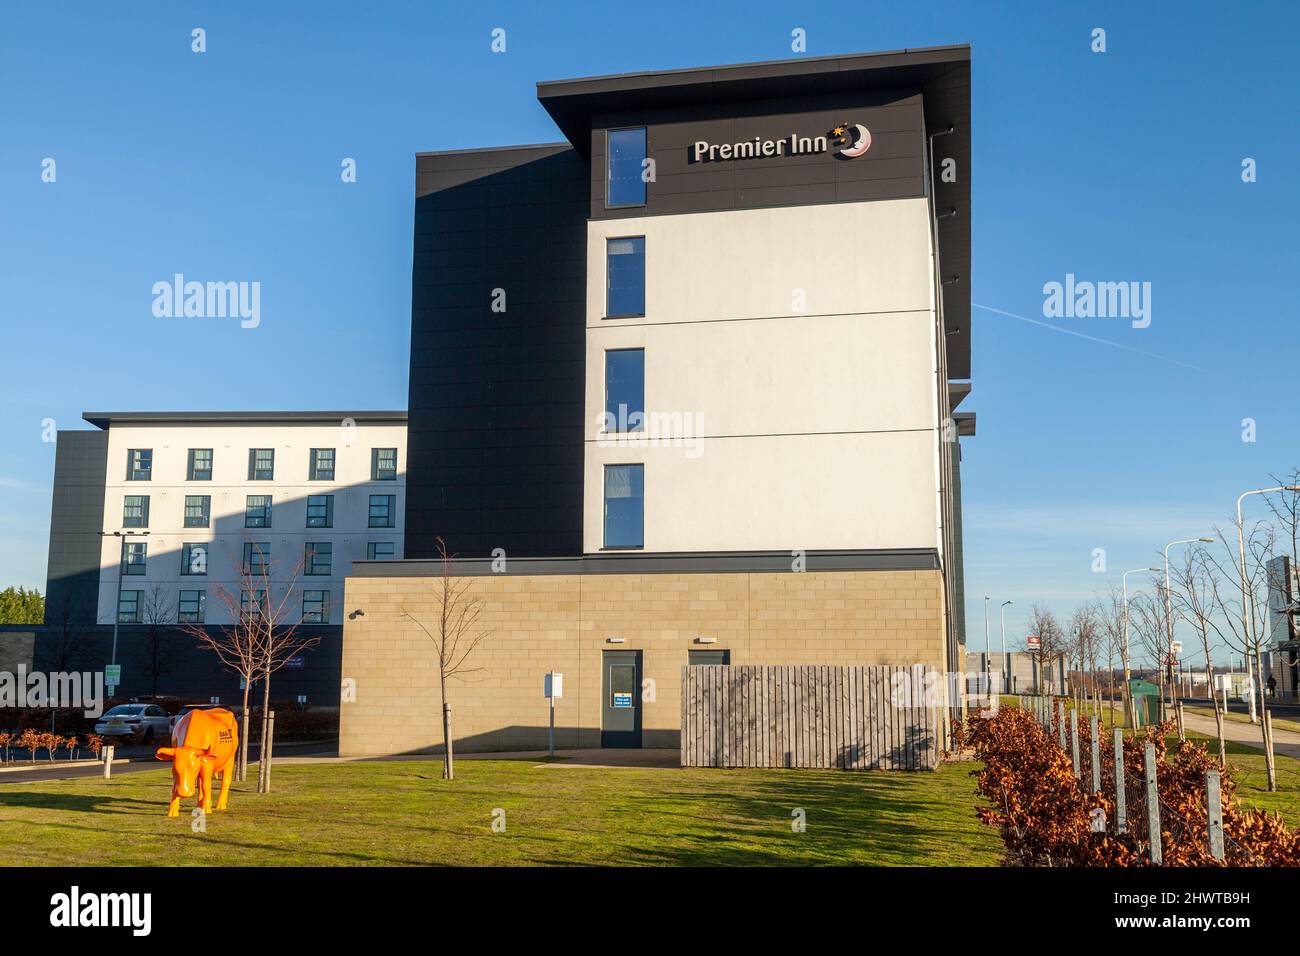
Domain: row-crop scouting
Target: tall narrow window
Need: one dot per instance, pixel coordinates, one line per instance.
(383, 464)
(318, 557)
(261, 464)
(135, 511)
(189, 610)
(257, 557)
(322, 464)
(198, 510)
(624, 390)
(200, 466)
(625, 182)
(315, 607)
(380, 551)
(194, 558)
(625, 276)
(139, 464)
(381, 511)
(624, 506)
(128, 608)
(253, 604)
(320, 511)
(257, 511)
(134, 558)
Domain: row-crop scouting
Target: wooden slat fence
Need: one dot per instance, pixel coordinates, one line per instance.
(846, 718)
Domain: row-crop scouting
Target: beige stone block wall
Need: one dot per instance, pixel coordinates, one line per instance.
(562, 623)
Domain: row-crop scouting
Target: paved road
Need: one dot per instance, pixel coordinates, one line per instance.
(1285, 742)
(141, 761)
(1286, 710)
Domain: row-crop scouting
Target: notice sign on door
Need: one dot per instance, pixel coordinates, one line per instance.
(622, 700)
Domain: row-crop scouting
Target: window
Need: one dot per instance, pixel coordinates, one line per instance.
(139, 464)
(625, 277)
(200, 466)
(322, 464)
(381, 511)
(380, 551)
(194, 558)
(708, 657)
(198, 510)
(134, 557)
(624, 390)
(189, 610)
(257, 557)
(261, 464)
(318, 557)
(128, 607)
(253, 603)
(320, 511)
(315, 607)
(624, 506)
(257, 511)
(626, 154)
(135, 511)
(383, 464)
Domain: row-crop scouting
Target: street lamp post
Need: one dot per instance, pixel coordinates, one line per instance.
(121, 565)
(1247, 601)
(986, 634)
(1002, 611)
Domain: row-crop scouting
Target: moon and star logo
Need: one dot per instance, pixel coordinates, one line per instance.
(851, 139)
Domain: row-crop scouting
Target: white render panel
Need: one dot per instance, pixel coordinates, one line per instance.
(797, 347)
(813, 492)
(229, 488)
(753, 263)
(805, 375)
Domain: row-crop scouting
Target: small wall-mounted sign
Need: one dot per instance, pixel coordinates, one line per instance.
(622, 701)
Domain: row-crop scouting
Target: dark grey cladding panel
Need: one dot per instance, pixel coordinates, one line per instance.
(712, 562)
(893, 168)
(76, 518)
(496, 398)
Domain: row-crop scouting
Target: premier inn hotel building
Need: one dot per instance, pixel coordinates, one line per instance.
(684, 389)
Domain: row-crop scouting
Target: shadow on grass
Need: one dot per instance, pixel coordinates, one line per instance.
(77, 803)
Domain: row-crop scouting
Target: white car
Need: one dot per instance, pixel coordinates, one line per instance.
(139, 723)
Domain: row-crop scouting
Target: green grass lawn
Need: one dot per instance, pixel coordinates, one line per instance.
(400, 813)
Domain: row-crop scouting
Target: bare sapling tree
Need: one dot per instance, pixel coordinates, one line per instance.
(276, 612)
(1051, 644)
(235, 645)
(1148, 624)
(155, 654)
(456, 633)
(1192, 600)
(1085, 629)
(1239, 598)
(1110, 616)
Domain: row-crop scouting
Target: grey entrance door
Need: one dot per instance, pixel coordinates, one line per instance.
(620, 709)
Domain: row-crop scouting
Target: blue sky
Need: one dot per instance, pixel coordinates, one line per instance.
(1123, 165)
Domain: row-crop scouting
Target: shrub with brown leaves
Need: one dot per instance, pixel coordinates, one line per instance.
(1045, 816)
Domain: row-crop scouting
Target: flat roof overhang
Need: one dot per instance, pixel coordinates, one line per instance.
(941, 74)
(105, 419)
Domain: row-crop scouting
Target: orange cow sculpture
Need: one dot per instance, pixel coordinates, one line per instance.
(204, 743)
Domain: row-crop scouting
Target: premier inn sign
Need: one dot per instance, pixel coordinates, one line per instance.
(848, 140)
